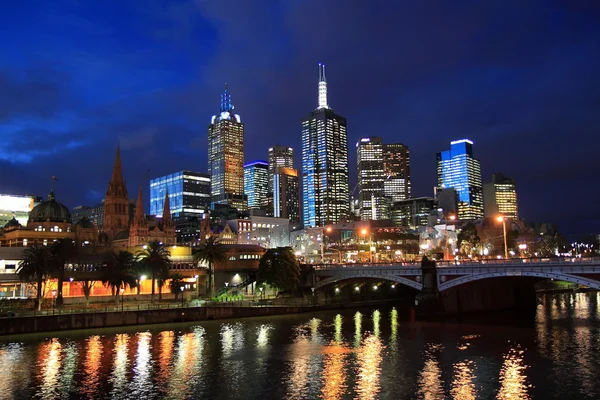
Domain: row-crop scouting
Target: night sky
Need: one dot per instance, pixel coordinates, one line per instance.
(519, 78)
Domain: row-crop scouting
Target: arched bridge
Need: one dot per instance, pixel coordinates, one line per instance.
(448, 274)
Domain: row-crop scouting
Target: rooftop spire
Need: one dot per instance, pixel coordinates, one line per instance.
(166, 217)
(322, 87)
(226, 101)
(117, 175)
(139, 208)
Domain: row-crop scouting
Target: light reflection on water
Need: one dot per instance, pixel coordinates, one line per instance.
(332, 355)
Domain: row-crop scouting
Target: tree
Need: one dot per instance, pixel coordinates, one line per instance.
(156, 259)
(36, 268)
(63, 251)
(467, 239)
(119, 272)
(279, 268)
(212, 253)
(176, 284)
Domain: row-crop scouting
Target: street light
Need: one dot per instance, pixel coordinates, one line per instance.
(364, 232)
(53, 300)
(197, 285)
(122, 290)
(182, 298)
(503, 220)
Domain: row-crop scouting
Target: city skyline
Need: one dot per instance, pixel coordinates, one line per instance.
(64, 109)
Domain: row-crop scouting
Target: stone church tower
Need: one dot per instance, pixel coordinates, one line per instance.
(116, 202)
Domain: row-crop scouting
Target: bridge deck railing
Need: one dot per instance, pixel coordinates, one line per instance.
(537, 261)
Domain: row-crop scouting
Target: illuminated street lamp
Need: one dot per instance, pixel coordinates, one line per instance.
(197, 285)
(364, 232)
(53, 300)
(122, 290)
(503, 220)
(182, 298)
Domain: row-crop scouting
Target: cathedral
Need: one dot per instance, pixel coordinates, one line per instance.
(118, 230)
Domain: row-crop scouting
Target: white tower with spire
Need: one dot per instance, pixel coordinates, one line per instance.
(322, 87)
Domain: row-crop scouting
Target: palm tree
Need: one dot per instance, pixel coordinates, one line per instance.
(63, 251)
(156, 259)
(211, 252)
(176, 284)
(36, 267)
(279, 268)
(119, 272)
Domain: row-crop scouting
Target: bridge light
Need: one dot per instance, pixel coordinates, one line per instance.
(393, 286)
(374, 287)
(357, 289)
(337, 290)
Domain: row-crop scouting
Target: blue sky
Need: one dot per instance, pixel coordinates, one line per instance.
(518, 78)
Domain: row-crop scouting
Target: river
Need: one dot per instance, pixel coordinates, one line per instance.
(368, 353)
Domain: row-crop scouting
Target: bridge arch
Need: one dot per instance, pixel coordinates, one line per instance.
(392, 278)
(530, 274)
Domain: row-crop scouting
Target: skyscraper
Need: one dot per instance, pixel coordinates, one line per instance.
(500, 197)
(280, 156)
(370, 163)
(226, 156)
(286, 195)
(458, 169)
(325, 191)
(256, 180)
(396, 165)
(189, 194)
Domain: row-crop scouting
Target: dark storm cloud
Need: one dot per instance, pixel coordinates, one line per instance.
(519, 78)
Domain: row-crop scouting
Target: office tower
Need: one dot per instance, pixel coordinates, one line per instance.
(396, 166)
(256, 182)
(369, 160)
(447, 200)
(280, 156)
(226, 156)
(286, 194)
(500, 197)
(189, 194)
(325, 194)
(412, 213)
(458, 169)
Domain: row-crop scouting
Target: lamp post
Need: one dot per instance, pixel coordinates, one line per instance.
(122, 290)
(364, 232)
(182, 298)
(503, 220)
(328, 229)
(197, 285)
(53, 300)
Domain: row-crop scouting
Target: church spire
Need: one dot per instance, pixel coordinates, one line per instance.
(322, 87)
(117, 175)
(166, 216)
(139, 208)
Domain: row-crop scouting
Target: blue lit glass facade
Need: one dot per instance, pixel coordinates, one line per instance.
(256, 182)
(458, 169)
(189, 194)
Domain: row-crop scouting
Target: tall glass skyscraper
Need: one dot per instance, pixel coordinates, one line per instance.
(369, 160)
(226, 156)
(500, 197)
(189, 194)
(286, 195)
(396, 165)
(256, 179)
(458, 169)
(325, 192)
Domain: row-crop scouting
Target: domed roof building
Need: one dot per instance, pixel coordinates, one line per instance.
(50, 211)
(48, 221)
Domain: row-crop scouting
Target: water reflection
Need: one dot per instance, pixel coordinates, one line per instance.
(513, 381)
(166, 340)
(337, 323)
(141, 386)
(357, 329)
(118, 377)
(376, 319)
(15, 367)
(71, 355)
(334, 376)
(232, 365)
(369, 359)
(187, 365)
(430, 379)
(91, 366)
(393, 325)
(49, 362)
(463, 385)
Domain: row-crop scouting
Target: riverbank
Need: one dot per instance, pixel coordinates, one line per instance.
(84, 321)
